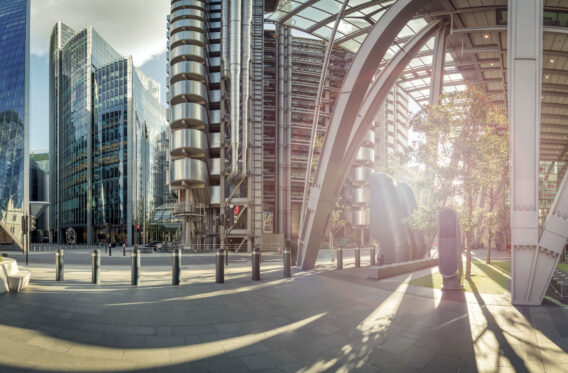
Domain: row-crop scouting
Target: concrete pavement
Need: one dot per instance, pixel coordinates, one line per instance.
(320, 320)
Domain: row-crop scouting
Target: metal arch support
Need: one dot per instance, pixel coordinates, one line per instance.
(317, 108)
(525, 32)
(329, 174)
(437, 76)
(550, 245)
(380, 89)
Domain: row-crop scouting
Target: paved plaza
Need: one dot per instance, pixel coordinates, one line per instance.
(321, 320)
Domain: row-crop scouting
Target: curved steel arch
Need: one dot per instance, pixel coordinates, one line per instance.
(381, 87)
(329, 173)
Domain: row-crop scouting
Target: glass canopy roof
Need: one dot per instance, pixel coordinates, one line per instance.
(317, 17)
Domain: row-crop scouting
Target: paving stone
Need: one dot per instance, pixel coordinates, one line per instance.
(310, 323)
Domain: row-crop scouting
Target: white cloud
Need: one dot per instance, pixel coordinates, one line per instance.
(132, 27)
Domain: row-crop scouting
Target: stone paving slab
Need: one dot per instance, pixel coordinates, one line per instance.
(315, 321)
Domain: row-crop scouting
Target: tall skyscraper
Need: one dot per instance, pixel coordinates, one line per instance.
(105, 120)
(215, 98)
(292, 70)
(242, 101)
(14, 118)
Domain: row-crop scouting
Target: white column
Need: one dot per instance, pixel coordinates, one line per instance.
(524, 61)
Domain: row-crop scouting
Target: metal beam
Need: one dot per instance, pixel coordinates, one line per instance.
(381, 87)
(525, 32)
(438, 62)
(291, 14)
(313, 135)
(325, 190)
(346, 13)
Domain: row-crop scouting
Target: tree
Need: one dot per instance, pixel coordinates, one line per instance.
(337, 222)
(464, 147)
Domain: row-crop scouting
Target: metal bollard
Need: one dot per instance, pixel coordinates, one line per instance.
(357, 257)
(96, 261)
(59, 271)
(220, 273)
(339, 258)
(256, 264)
(176, 267)
(227, 257)
(123, 249)
(372, 255)
(110, 250)
(135, 277)
(287, 262)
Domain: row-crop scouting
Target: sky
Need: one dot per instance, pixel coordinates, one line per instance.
(131, 28)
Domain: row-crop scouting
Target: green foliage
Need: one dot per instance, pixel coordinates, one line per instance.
(465, 151)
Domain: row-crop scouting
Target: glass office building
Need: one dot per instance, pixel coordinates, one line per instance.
(14, 75)
(105, 121)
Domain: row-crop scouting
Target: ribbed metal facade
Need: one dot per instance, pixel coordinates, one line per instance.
(291, 76)
(194, 97)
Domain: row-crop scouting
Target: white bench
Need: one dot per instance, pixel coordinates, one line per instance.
(11, 277)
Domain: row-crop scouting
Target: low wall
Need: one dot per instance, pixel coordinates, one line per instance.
(391, 270)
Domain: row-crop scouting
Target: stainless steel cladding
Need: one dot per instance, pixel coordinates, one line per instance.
(188, 95)
(408, 205)
(449, 249)
(386, 227)
(235, 69)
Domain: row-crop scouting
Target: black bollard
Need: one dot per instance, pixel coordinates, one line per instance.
(372, 255)
(59, 265)
(287, 262)
(220, 273)
(96, 261)
(357, 257)
(227, 257)
(339, 258)
(123, 249)
(256, 264)
(135, 277)
(109, 249)
(176, 266)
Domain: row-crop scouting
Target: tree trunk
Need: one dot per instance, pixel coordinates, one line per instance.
(468, 255)
(331, 252)
(468, 233)
(489, 246)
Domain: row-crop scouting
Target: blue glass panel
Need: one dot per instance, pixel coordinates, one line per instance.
(13, 25)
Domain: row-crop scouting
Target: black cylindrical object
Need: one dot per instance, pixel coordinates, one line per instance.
(220, 273)
(256, 264)
(287, 263)
(226, 257)
(96, 261)
(135, 276)
(110, 250)
(339, 258)
(357, 257)
(124, 250)
(176, 266)
(372, 255)
(59, 270)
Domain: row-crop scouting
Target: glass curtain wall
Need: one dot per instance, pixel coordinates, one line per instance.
(14, 167)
